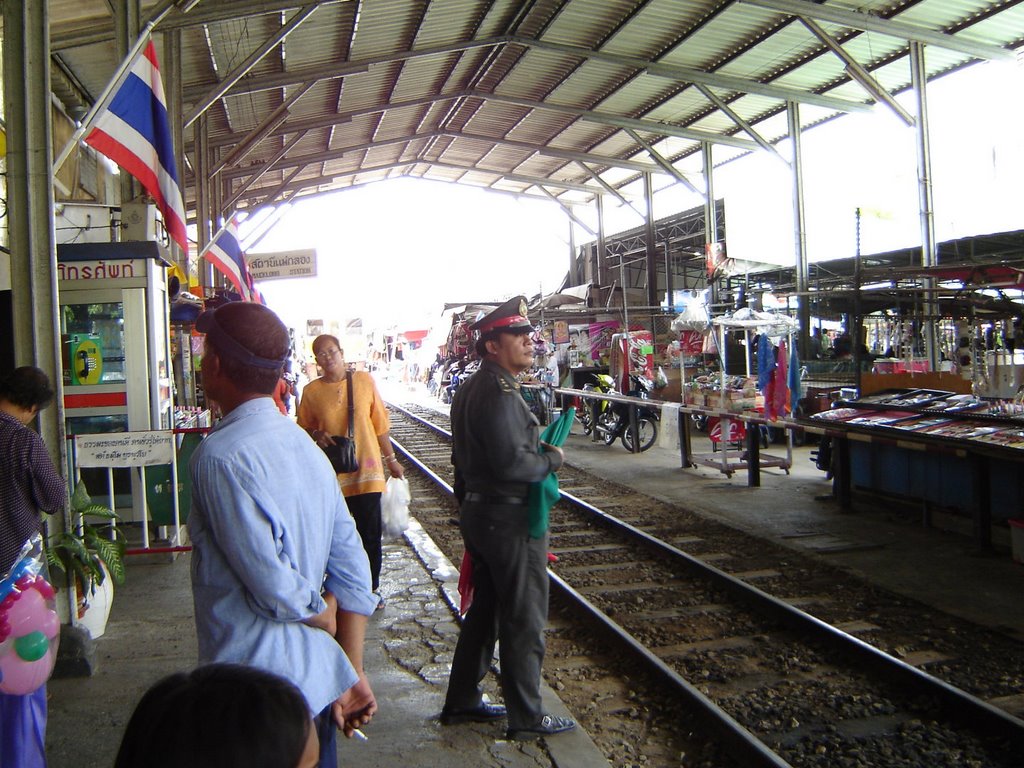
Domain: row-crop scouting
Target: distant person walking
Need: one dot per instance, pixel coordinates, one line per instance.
(277, 569)
(29, 483)
(323, 412)
(496, 452)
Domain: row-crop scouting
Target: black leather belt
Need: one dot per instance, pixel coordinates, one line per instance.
(483, 498)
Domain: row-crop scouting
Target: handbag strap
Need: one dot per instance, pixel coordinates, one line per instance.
(351, 405)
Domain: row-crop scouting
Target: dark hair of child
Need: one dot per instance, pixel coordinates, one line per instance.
(217, 716)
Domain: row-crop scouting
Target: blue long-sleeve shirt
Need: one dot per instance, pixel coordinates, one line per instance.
(270, 529)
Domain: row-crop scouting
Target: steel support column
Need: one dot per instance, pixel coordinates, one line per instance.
(127, 27)
(800, 230)
(602, 245)
(650, 246)
(573, 271)
(27, 109)
(202, 187)
(929, 251)
(710, 215)
(669, 282)
(172, 90)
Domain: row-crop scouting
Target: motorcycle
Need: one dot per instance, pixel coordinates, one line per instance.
(458, 373)
(611, 420)
(591, 409)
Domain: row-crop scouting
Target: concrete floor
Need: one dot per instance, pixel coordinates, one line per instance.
(151, 631)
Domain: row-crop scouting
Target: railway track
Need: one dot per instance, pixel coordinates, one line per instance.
(698, 640)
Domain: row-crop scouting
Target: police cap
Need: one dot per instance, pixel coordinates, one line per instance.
(510, 317)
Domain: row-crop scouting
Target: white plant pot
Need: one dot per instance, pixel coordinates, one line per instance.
(97, 607)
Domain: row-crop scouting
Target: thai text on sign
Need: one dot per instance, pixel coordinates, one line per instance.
(124, 449)
(278, 265)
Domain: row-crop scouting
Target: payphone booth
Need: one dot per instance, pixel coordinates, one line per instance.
(115, 346)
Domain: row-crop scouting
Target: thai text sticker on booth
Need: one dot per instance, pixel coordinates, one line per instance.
(124, 449)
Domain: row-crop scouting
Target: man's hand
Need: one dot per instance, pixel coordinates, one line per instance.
(355, 707)
(327, 619)
(553, 449)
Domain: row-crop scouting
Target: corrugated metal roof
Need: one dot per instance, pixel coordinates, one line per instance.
(519, 94)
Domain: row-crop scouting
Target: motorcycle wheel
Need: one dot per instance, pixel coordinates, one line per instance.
(586, 419)
(607, 426)
(647, 431)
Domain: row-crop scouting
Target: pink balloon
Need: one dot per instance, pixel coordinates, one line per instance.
(50, 625)
(19, 677)
(27, 613)
(44, 588)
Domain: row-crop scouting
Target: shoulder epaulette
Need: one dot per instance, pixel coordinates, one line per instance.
(507, 386)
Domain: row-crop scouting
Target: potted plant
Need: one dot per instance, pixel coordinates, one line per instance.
(89, 553)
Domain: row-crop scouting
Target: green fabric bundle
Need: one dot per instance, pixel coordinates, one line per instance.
(544, 494)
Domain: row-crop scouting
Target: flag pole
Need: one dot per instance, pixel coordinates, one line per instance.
(115, 82)
(212, 240)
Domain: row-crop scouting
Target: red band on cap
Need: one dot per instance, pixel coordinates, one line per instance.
(505, 321)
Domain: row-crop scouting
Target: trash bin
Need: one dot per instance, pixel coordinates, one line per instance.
(159, 496)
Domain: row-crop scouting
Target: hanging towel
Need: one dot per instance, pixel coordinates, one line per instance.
(776, 394)
(765, 362)
(795, 386)
(544, 494)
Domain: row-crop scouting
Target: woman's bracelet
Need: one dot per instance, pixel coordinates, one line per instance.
(390, 457)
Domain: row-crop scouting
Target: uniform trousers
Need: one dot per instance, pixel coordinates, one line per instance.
(365, 509)
(510, 605)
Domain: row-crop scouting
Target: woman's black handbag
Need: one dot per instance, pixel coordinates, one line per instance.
(343, 453)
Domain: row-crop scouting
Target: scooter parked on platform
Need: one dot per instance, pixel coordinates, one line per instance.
(612, 419)
(591, 409)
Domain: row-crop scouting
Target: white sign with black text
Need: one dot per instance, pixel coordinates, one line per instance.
(124, 449)
(278, 265)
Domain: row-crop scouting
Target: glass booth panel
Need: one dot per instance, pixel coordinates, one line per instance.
(92, 343)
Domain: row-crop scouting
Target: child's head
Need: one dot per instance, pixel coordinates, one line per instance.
(223, 716)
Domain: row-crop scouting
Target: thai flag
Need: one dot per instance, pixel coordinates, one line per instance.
(133, 132)
(225, 253)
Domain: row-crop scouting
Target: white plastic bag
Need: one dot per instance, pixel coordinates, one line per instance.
(394, 507)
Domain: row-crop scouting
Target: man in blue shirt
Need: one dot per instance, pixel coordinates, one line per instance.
(278, 569)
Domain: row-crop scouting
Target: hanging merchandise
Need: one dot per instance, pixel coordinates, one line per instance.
(794, 381)
(631, 354)
(692, 325)
(776, 394)
(660, 378)
(29, 627)
(459, 342)
(765, 361)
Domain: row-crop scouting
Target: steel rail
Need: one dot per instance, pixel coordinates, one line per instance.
(956, 704)
(740, 743)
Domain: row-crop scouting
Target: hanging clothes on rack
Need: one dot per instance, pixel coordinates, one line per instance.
(765, 361)
(794, 382)
(776, 394)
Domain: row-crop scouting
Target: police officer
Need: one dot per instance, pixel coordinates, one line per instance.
(497, 454)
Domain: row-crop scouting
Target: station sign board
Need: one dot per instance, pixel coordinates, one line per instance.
(279, 265)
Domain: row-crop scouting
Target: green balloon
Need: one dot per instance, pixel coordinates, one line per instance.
(31, 647)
